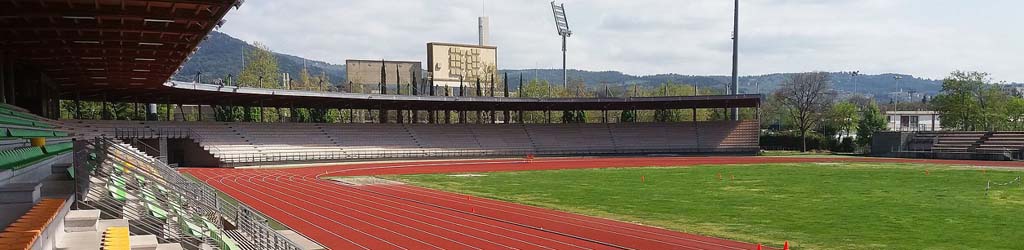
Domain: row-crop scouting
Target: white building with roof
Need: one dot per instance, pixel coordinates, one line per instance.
(913, 121)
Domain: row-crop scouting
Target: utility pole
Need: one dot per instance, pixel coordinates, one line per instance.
(736, 57)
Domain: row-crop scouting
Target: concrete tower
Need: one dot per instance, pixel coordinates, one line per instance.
(484, 30)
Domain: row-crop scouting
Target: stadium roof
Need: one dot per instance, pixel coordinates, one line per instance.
(231, 95)
(127, 50)
(116, 47)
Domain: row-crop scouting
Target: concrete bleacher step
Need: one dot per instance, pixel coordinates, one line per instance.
(20, 193)
(169, 246)
(79, 241)
(143, 242)
(102, 225)
(81, 221)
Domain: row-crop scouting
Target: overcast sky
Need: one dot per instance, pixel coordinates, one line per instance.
(927, 38)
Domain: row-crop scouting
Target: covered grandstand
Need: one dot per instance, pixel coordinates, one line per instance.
(100, 189)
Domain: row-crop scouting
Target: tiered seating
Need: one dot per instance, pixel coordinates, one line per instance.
(22, 157)
(445, 137)
(136, 191)
(570, 137)
(284, 138)
(258, 142)
(502, 137)
(729, 136)
(358, 139)
(1003, 142)
(24, 232)
(957, 141)
(16, 122)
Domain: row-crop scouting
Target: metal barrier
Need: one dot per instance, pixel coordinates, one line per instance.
(148, 186)
(313, 156)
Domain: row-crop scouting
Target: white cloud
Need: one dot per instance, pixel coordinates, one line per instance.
(928, 38)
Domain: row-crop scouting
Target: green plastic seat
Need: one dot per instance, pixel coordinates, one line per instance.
(29, 133)
(21, 157)
(14, 120)
(58, 148)
(117, 192)
(156, 211)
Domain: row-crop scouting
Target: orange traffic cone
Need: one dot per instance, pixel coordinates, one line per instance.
(786, 246)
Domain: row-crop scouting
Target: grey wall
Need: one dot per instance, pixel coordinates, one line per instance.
(885, 143)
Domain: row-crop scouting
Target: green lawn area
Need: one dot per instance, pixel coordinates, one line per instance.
(814, 206)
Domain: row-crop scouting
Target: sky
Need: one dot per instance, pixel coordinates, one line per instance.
(925, 38)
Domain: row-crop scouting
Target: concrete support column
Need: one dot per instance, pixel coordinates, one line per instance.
(163, 149)
(3, 77)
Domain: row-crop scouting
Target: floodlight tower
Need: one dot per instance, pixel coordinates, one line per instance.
(735, 57)
(562, 23)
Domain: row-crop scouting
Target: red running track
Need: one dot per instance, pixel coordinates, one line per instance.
(408, 217)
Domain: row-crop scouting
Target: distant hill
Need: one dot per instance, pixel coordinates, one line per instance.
(874, 85)
(221, 55)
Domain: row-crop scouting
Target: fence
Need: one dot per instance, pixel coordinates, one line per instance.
(314, 156)
(121, 181)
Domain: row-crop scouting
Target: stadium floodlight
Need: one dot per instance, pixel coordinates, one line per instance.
(735, 57)
(562, 24)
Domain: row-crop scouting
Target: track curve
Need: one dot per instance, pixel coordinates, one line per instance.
(408, 217)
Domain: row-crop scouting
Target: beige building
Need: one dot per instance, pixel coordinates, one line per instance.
(449, 63)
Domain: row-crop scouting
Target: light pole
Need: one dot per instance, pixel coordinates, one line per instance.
(898, 94)
(853, 80)
(735, 57)
(562, 24)
(897, 120)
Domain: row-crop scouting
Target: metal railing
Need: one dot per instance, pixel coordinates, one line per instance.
(134, 133)
(147, 183)
(314, 156)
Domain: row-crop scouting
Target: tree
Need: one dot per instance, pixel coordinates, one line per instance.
(627, 116)
(871, 121)
(260, 71)
(260, 65)
(806, 97)
(306, 81)
(969, 102)
(1015, 114)
(843, 117)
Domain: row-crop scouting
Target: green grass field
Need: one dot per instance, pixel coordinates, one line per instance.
(814, 206)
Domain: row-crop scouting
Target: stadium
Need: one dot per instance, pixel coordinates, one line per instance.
(430, 169)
